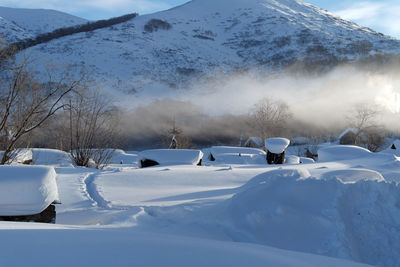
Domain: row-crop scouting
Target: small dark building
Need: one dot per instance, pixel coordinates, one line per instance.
(348, 137)
(254, 142)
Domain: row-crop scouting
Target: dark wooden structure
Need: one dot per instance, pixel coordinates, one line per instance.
(348, 138)
(144, 163)
(273, 158)
(46, 216)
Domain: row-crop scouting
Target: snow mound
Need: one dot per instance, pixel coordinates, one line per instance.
(26, 190)
(276, 145)
(235, 155)
(342, 152)
(121, 157)
(239, 158)
(306, 160)
(292, 159)
(291, 210)
(51, 157)
(172, 156)
(218, 150)
(349, 176)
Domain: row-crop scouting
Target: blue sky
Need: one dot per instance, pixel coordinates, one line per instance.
(380, 15)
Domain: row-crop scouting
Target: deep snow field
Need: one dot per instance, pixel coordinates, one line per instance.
(343, 210)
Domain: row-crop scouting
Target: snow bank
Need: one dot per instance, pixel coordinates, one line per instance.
(126, 247)
(42, 156)
(120, 156)
(218, 150)
(348, 176)
(51, 157)
(234, 155)
(172, 156)
(306, 160)
(292, 159)
(349, 214)
(26, 190)
(276, 145)
(342, 152)
(239, 158)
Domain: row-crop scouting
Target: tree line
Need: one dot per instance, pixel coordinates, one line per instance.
(66, 31)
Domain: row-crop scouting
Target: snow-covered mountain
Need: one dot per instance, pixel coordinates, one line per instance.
(19, 23)
(204, 38)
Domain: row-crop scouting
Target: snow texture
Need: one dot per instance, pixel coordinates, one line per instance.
(17, 24)
(342, 152)
(172, 156)
(276, 145)
(26, 190)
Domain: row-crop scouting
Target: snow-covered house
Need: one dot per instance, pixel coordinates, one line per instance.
(276, 148)
(348, 137)
(27, 193)
(255, 142)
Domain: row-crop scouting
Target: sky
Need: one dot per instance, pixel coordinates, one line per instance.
(380, 15)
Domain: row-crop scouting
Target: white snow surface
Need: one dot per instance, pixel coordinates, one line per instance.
(340, 212)
(219, 150)
(276, 145)
(26, 190)
(342, 152)
(172, 156)
(121, 157)
(20, 23)
(227, 155)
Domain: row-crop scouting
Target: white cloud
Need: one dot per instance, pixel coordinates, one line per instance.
(383, 16)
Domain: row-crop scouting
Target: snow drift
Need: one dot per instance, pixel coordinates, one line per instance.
(26, 190)
(349, 214)
(342, 152)
(171, 156)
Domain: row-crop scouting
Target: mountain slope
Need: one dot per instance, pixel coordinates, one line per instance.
(203, 38)
(20, 23)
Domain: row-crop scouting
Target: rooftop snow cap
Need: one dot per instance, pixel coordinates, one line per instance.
(276, 145)
(26, 190)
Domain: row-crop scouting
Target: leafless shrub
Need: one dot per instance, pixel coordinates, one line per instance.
(154, 25)
(26, 103)
(92, 127)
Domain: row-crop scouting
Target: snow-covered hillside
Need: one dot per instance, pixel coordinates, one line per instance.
(204, 38)
(19, 23)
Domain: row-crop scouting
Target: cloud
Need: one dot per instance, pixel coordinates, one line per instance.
(383, 16)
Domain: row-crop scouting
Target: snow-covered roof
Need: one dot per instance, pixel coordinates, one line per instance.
(277, 144)
(348, 130)
(342, 152)
(172, 156)
(26, 190)
(256, 140)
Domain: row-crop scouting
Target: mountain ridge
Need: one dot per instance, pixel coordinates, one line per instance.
(158, 53)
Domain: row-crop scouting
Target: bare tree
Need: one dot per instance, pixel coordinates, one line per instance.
(92, 128)
(26, 103)
(269, 117)
(174, 138)
(363, 118)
